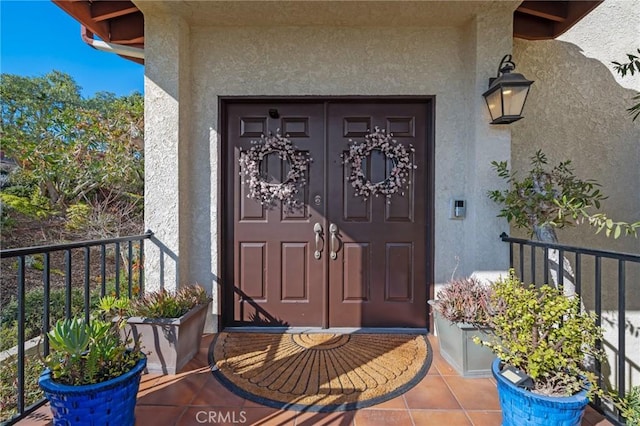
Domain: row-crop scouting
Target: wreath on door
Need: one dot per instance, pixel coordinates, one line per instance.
(268, 193)
(401, 157)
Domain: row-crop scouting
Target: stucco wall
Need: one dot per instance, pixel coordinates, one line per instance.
(452, 63)
(576, 110)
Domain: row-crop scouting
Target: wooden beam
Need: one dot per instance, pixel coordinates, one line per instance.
(531, 27)
(103, 10)
(577, 10)
(127, 29)
(81, 12)
(551, 10)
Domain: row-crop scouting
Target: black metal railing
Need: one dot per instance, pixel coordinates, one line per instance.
(55, 268)
(592, 272)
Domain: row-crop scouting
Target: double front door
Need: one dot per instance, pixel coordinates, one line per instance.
(338, 259)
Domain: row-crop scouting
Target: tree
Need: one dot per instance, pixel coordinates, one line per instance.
(546, 199)
(630, 68)
(71, 150)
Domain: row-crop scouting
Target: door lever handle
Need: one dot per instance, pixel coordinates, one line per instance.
(317, 229)
(335, 241)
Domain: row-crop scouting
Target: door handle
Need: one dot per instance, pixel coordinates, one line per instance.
(317, 228)
(335, 241)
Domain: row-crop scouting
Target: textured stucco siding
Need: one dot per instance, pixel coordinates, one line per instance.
(189, 66)
(576, 111)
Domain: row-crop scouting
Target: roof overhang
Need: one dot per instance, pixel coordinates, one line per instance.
(122, 22)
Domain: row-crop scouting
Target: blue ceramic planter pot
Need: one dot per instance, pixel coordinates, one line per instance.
(523, 408)
(109, 403)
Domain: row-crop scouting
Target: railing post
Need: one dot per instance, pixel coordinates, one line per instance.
(46, 281)
(67, 278)
(87, 279)
(21, 324)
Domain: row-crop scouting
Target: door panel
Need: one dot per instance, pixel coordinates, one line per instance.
(378, 276)
(391, 237)
(276, 279)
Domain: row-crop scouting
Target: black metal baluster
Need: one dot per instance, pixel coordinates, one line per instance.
(87, 281)
(67, 281)
(578, 273)
(46, 313)
(521, 260)
(21, 324)
(130, 268)
(103, 270)
(117, 269)
(598, 309)
(141, 268)
(622, 355)
(545, 278)
(533, 264)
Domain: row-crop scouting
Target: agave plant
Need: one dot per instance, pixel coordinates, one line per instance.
(86, 353)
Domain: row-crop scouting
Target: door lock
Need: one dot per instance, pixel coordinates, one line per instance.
(317, 200)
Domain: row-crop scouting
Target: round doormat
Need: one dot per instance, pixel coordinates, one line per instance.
(319, 372)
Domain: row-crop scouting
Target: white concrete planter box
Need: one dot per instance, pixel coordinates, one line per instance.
(172, 342)
(458, 349)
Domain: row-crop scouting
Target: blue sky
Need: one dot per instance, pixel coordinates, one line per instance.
(37, 37)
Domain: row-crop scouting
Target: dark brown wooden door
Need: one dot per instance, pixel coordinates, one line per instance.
(378, 277)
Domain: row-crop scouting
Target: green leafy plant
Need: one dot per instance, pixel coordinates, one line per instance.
(9, 384)
(630, 67)
(544, 334)
(86, 353)
(465, 300)
(158, 304)
(546, 199)
(630, 407)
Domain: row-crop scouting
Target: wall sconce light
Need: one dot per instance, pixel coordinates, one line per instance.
(507, 93)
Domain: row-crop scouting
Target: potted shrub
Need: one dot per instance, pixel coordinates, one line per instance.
(544, 342)
(461, 312)
(168, 325)
(92, 374)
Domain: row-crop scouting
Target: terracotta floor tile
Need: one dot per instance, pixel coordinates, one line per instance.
(440, 417)
(592, 418)
(339, 418)
(383, 417)
(40, 417)
(214, 394)
(431, 393)
(197, 416)
(485, 418)
(397, 403)
(442, 366)
(264, 416)
(474, 394)
(174, 389)
(157, 415)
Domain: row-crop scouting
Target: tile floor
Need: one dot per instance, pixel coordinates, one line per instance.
(195, 397)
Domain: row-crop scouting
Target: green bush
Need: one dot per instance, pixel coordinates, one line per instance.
(34, 206)
(631, 407)
(8, 384)
(545, 334)
(34, 313)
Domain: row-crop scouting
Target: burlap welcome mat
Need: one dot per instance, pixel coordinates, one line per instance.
(319, 372)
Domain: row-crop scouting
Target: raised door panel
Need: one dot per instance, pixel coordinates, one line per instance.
(274, 277)
(394, 235)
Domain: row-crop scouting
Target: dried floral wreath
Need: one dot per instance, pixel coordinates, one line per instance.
(268, 194)
(379, 140)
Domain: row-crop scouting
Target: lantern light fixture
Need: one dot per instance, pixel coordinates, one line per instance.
(507, 93)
